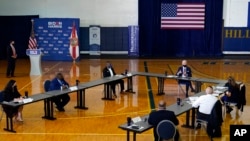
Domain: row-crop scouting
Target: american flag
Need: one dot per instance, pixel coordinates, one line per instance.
(182, 16)
(32, 39)
(32, 42)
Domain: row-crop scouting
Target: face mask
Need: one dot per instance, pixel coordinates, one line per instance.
(184, 65)
(15, 88)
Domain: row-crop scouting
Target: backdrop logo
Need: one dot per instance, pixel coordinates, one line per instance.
(54, 24)
(239, 132)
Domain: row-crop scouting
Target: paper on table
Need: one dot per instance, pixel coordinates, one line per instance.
(193, 98)
(26, 100)
(73, 88)
(129, 74)
(136, 119)
(172, 76)
(218, 92)
(221, 87)
(215, 94)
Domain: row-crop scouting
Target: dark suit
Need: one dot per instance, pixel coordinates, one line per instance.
(157, 116)
(215, 121)
(106, 73)
(11, 62)
(188, 74)
(61, 100)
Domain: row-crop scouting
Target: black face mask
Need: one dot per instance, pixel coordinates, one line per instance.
(184, 65)
(15, 88)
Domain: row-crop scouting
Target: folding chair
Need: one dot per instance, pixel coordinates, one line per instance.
(166, 130)
(46, 85)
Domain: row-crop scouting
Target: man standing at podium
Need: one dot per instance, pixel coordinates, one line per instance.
(11, 57)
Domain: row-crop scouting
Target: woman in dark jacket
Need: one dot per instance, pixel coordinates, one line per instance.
(233, 93)
(10, 93)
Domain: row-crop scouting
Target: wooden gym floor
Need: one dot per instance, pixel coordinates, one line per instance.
(101, 120)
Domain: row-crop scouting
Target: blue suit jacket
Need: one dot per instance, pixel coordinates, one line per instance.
(55, 85)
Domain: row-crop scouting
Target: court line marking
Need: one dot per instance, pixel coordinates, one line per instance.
(79, 134)
(39, 76)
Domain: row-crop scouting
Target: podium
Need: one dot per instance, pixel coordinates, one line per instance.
(35, 61)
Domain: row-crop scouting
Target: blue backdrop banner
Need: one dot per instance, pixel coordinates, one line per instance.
(236, 40)
(54, 35)
(133, 49)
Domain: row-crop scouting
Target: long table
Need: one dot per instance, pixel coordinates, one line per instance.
(184, 107)
(81, 87)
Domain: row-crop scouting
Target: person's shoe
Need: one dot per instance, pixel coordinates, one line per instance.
(122, 92)
(8, 76)
(192, 90)
(198, 126)
(18, 119)
(60, 109)
(115, 96)
(229, 109)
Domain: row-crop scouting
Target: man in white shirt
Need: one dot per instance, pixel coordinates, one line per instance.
(109, 71)
(205, 104)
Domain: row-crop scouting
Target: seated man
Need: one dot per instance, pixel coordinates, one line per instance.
(109, 71)
(156, 117)
(56, 84)
(185, 71)
(205, 104)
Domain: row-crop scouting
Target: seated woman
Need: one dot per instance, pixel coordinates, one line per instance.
(232, 94)
(10, 93)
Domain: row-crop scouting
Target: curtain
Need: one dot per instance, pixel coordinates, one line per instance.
(157, 42)
(15, 28)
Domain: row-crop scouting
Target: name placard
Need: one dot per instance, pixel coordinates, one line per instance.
(33, 52)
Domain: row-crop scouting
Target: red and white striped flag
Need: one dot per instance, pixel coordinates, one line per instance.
(32, 43)
(32, 39)
(182, 16)
(74, 47)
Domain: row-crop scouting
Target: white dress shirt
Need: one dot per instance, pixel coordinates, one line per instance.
(111, 72)
(205, 103)
(184, 70)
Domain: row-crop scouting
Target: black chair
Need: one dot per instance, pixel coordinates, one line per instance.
(46, 85)
(166, 130)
